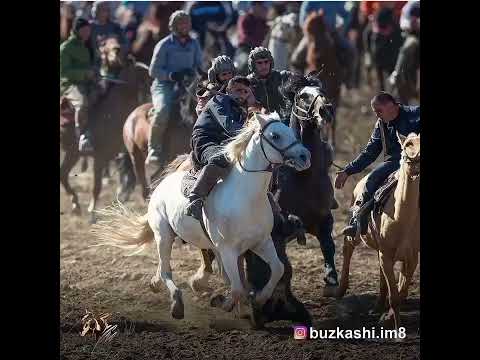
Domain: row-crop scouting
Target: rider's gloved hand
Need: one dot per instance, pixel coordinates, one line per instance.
(176, 76)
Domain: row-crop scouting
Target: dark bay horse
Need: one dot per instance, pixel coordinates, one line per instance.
(105, 120)
(136, 131)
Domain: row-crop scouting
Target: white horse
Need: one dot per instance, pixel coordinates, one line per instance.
(283, 39)
(237, 213)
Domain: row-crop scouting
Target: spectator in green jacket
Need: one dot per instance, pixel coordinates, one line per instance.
(76, 77)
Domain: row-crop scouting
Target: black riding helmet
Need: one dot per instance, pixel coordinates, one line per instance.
(259, 53)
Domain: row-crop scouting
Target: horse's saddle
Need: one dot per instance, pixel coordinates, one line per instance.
(381, 195)
(188, 181)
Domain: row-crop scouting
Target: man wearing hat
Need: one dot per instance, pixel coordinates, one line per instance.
(175, 57)
(266, 82)
(76, 78)
(219, 73)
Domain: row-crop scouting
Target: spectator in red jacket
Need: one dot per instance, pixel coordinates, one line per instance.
(252, 27)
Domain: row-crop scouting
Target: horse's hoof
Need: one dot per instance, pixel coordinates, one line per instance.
(330, 291)
(177, 309)
(93, 218)
(155, 284)
(217, 300)
(387, 320)
(76, 210)
(197, 285)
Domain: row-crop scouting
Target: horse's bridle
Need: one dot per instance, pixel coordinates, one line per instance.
(282, 152)
(308, 113)
(411, 161)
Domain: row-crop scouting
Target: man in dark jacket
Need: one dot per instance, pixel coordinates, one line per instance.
(223, 116)
(392, 118)
(266, 82)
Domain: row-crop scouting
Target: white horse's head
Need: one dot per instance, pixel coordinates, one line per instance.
(277, 142)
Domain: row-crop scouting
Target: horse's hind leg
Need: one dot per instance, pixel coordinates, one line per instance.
(393, 315)
(138, 160)
(69, 161)
(348, 248)
(408, 268)
(164, 237)
(199, 281)
(98, 167)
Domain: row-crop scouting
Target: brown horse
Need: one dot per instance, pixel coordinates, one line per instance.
(323, 60)
(394, 232)
(106, 119)
(136, 131)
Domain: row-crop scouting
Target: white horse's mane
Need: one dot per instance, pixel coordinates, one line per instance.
(235, 149)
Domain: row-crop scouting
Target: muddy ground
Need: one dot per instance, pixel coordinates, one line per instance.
(104, 280)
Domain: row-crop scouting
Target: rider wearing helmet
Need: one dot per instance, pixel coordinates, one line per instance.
(266, 81)
(175, 57)
(221, 71)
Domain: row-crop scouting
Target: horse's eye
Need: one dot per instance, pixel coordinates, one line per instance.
(275, 136)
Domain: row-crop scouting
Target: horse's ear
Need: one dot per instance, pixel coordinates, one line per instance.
(401, 138)
(261, 119)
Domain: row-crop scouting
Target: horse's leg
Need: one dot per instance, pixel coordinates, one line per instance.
(98, 167)
(70, 159)
(409, 267)
(84, 166)
(393, 315)
(327, 245)
(348, 249)
(268, 253)
(380, 304)
(164, 238)
(230, 266)
(138, 160)
(199, 281)
(381, 82)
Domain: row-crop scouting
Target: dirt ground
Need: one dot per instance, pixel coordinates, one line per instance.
(104, 280)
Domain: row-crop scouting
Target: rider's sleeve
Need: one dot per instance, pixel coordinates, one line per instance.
(368, 155)
(67, 69)
(158, 66)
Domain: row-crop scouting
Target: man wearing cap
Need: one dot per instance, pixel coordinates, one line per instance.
(175, 57)
(392, 117)
(222, 118)
(77, 77)
(266, 82)
(220, 72)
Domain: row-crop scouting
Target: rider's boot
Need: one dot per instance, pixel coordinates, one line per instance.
(207, 179)
(155, 141)
(360, 210)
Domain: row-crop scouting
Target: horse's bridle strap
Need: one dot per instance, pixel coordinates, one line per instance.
(271, 164)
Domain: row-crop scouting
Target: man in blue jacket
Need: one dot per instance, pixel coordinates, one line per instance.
(392, 118)
(175, 57)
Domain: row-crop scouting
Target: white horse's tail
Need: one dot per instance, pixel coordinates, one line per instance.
(123, 228)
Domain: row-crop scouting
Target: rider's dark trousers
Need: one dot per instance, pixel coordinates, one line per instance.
(216, 168)
(378, 175)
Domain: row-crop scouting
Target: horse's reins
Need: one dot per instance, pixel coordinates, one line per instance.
(282, 152)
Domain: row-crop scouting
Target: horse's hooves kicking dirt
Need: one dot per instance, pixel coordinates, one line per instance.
(76, 210)
(177, 306)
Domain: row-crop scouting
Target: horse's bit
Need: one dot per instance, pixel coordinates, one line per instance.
(282, 152)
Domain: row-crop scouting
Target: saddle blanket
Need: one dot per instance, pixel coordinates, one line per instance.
(188, 181)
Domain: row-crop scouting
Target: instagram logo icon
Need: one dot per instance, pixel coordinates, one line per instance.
(299, 332)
